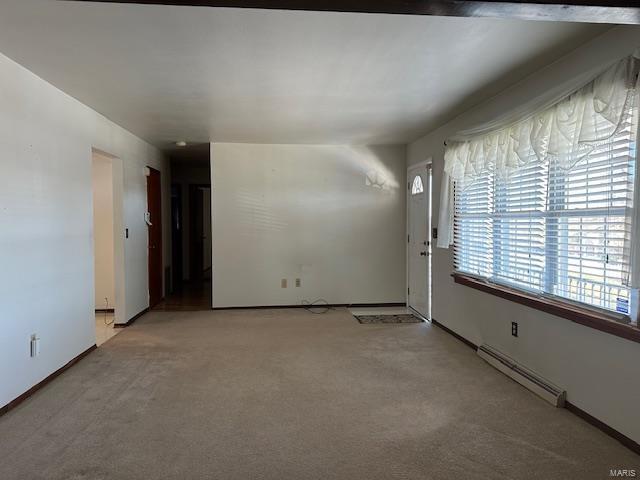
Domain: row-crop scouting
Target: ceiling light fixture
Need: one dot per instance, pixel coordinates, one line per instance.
(181, 143)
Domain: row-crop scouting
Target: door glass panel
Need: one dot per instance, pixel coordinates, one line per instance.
(417, 187)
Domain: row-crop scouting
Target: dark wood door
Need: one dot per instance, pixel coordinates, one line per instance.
(154, 207)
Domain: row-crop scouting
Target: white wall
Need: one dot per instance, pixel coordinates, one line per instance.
(46, 238)
(308, 212)
(598, 370)
(102, 181)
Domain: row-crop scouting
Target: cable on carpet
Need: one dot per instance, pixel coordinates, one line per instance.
(320, 303)
(106, 310)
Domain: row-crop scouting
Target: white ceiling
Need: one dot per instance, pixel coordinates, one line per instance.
(237, 75)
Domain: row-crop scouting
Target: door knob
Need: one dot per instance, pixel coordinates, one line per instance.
(423, 254)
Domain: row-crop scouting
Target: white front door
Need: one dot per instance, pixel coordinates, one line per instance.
(419, 240)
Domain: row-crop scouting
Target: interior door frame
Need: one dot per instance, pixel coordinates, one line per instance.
(425, 163)
(117, 166)
(177, 226)
(193, 242)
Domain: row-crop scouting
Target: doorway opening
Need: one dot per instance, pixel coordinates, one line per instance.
(419, 239)
(108, 252)
(200, 236)
(190, 230)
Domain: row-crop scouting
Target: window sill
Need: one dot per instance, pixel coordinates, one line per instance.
(576, 314)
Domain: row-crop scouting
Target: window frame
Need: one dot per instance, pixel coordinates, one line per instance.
(545, 299)
(592, 318)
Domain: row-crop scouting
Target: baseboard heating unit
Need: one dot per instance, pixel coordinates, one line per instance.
(525, 377)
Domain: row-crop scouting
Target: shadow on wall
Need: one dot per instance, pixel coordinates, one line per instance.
(258, 212)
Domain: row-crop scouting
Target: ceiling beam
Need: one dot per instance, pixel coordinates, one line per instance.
(589, 11)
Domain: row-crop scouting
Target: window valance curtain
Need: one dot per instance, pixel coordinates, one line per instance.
(564, 131)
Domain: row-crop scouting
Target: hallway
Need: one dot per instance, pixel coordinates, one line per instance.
(284, 394)
(192, 296)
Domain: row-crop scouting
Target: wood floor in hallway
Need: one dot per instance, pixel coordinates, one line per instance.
(190, 297)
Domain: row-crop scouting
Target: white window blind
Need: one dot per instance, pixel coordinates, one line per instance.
(554, 230)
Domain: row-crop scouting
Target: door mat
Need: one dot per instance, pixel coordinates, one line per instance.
(403, 318)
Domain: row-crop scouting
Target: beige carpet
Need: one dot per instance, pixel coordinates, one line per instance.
(285, 394)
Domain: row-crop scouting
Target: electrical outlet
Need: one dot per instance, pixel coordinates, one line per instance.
(283, 283)
(34, 345)
(298, 282)
(514, 329)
